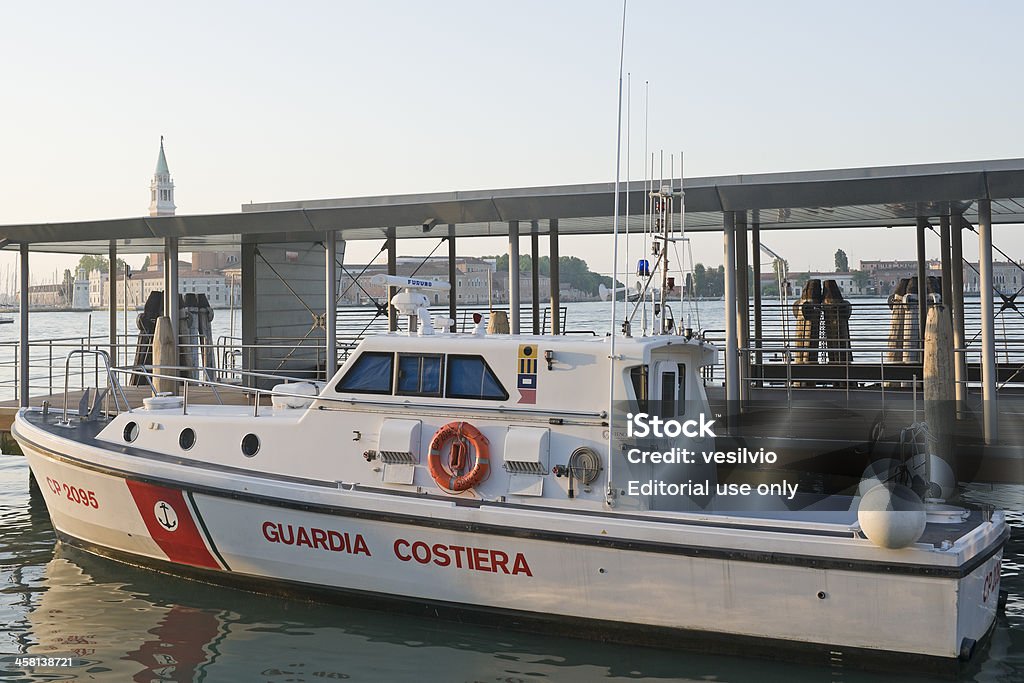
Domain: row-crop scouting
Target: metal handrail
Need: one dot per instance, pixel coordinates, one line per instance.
(148, 369)
(112, 382)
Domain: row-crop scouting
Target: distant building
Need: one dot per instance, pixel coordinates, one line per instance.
(474, 279)
(161, 203)
(884, 276)
(161, 198)
(846, 281)
(48, 296)
(80, 298)
(219, 290)
(161, 188)
(1007, 277)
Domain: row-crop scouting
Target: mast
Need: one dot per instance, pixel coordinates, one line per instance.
(610, 491)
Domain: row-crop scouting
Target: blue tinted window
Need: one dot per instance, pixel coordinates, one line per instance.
(469, 377)
(419, 375)
(370, 374)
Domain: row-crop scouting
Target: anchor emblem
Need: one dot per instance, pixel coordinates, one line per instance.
(165, 515)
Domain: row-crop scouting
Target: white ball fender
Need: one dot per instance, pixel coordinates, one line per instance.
(892, 516)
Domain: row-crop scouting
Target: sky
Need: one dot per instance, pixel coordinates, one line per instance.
(263, 101)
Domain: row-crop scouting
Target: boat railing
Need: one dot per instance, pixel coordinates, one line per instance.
(45, 356)
(883, 367)
(113, 385)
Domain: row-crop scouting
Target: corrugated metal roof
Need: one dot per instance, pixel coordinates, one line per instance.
(842, 198)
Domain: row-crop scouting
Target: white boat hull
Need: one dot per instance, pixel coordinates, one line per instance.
(578, 570)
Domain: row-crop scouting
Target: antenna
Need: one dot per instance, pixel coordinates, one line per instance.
(625, 300)
(615, 266)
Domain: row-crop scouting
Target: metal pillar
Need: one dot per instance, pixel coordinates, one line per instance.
(922, 278)
(171, 294)
(743, 301)
(392, 248)
(331, 302)
(513, 276)
(956, 278)
(112, 303)
(556, 305)
(755, 253)
(23, 355)
(988, 338)
(452, 279)
(732, 365)
(248, 301)
(944, 248)
(535, 275)
(167, 280)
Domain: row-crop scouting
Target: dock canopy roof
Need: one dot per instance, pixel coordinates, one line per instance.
(844, 198)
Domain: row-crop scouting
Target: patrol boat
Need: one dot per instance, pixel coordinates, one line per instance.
(499, 477)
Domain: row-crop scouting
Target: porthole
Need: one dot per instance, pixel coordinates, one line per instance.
(131, 431)
(187, 438)
(250, 445)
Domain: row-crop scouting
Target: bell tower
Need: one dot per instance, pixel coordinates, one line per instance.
(161, 188)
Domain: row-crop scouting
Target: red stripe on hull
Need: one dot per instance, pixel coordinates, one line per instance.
(169, 522)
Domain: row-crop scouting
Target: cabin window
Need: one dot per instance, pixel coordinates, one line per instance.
(370, 374)
(638, 377)
(470, 377)
(419, 375)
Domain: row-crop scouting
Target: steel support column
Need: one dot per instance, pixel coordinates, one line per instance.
(732, 366)
(171, 294)
(23, 350)
(556, 304)
(167, 280)
(391, 245)
(743, 302)
(513, 276)
(453, 310)
(331, 302)
(248, 301)
(956, 281)
(535, 275)
(944, 248)
(922, 279)
(755, 254)
(988, 339)
(112, 300)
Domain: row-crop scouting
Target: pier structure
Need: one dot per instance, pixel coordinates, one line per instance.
(293, 252)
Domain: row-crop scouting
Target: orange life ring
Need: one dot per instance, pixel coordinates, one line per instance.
(456, 433)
